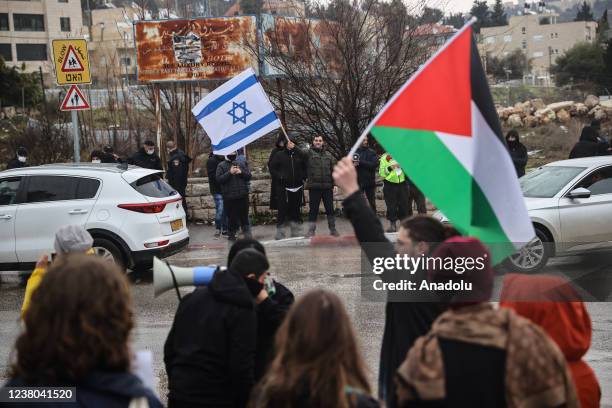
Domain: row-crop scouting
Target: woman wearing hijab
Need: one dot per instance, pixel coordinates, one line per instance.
(518, 152)
(553, 304)
(476, 355)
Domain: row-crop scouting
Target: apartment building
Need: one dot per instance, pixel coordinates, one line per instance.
(28, 26)
(541, 38)
(111, 47)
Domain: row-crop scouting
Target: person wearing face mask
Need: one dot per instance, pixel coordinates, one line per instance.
(96, 157)
(146, 157)
(20, 159)
(518, 152)
(233, 177)
(210, 351)
(406, 319)
(178, 170)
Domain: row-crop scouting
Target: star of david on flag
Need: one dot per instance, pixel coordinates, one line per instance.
(236, 113)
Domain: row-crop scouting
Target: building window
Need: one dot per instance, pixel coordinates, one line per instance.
(29, 22)
(507, 38)
(524, 30)
(524, 44)
(31, 52)
(538, 54)
(537, 38)
(556, 35)
(65, 23)
(5, 52)
(556, 51)
(4, 24)
(62, 1)
(125, 61)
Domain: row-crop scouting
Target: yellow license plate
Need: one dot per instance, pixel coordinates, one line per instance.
(176, 225)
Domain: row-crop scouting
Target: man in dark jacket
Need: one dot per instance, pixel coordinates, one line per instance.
(366, 162)
(518, 152)
(288, 169)
(278, 147)
(233, 177)
(21, 156)
(146, 157)
(271, 311)
(210, 351)
(178, 170)
(320, 186)
(588, 145)
(405, 319)
(215, 190)
(109, 155)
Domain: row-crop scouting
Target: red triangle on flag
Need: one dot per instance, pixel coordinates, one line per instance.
(72, 62)
(439, 97)
(74, 100)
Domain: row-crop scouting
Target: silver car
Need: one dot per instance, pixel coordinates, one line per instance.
(570, 205)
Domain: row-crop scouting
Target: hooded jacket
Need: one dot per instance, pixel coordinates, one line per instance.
(14, 163)
(518, 153)
(102, 390)
(588, 145)
(288, 168)
(366, 170)
(563, 317)
(210, 350)
(211, 169)
(178, 170)
(147, 161)
(233, 186)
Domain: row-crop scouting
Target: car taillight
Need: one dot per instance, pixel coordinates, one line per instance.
(148, 208)
(157, 244)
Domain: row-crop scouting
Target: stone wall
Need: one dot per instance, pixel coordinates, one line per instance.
(202, 206)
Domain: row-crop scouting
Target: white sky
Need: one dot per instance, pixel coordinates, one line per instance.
(457, 5)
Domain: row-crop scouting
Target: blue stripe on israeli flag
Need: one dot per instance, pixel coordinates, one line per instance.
(236, 113)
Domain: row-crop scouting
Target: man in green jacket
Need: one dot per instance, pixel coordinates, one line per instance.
(320, 185)
(395, 190)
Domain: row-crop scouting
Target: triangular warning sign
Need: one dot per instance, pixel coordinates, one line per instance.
(72, 62)
(74, 100)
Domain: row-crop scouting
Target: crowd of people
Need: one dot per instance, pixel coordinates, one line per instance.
(245, 341)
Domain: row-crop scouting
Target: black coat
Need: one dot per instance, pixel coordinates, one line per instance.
(15, 164)
(366, 170)
(274, 186)
(211, 170)
(589, 145)
(404, 321)
(178, 170)
(518, 153)
(144, 160)
(233, 186)
(101, 390)
(288, 167)
(270, 314)
(210, 350)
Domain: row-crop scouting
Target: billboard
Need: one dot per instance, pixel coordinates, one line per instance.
(194, 49)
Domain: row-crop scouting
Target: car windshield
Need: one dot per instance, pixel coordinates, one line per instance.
(545, 182)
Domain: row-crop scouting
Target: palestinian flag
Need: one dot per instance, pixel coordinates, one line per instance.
(443, 130)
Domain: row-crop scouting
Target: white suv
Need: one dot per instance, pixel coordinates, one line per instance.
(131, 212)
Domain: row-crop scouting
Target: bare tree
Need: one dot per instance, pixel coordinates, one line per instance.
(336, 69)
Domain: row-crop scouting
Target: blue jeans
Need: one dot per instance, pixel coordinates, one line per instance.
(220, 215)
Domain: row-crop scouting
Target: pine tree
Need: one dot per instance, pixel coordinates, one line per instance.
(456, 20)
(584, 13)
(480, 10)
(498, 15)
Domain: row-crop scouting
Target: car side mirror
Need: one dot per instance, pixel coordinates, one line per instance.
(579, 192)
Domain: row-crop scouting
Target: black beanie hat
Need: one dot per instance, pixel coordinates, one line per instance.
(250, 261)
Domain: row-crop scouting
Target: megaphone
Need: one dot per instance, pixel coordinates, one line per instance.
(166, 276)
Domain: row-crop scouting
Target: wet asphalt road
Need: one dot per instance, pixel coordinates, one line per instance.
(333, 268)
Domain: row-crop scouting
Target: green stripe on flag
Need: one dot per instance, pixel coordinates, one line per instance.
(449, 186)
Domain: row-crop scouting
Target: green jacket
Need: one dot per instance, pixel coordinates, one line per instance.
(320, 168)
(388, 173)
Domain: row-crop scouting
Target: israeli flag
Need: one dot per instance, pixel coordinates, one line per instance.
(236, 113)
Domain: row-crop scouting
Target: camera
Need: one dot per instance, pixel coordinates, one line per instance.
(356, 157)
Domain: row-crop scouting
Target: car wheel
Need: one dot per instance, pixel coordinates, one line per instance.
(533, 256)
(108, 251)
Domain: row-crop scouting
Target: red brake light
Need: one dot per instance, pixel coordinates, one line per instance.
(148, 208)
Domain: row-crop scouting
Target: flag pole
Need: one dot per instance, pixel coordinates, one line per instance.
(399, 91)
(284, 132)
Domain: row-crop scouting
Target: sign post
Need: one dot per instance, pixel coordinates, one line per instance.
(71, 61)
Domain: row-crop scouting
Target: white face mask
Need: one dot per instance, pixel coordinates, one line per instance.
(96, 161)
(150, 151)
(21, 159)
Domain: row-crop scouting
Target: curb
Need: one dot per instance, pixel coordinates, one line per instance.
(320, 241)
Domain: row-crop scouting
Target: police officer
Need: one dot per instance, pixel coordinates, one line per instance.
(178, 169)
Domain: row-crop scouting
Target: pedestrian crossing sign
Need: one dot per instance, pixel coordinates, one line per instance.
(71, 61)
(74, 100)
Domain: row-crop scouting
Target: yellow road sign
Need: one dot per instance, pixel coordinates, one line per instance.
(71, 61)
